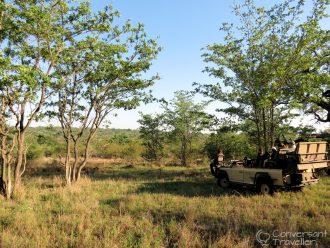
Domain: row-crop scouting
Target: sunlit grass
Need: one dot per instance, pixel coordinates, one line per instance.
(154, 207)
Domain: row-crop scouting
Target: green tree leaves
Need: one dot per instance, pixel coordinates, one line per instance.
(271, 62)
(59, 53)
(152, 135)
(185, 120)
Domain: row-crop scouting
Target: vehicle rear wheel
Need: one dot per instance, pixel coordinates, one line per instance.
(265, 188)
(300, 189)
(223, 182)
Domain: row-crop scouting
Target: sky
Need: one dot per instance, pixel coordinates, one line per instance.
(182, 28)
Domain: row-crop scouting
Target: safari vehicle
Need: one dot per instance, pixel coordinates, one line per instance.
(288, 170)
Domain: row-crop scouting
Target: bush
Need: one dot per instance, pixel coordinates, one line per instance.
(234, 145)
(34, 152)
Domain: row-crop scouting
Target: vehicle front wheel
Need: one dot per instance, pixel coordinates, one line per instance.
(223, 182)
(265, 188)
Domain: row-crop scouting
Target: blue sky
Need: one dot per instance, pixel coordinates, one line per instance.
(183, 28)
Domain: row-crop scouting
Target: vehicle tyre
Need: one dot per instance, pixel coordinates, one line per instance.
(223, 182)
(300, 189)
(265, 187)
(213, 169)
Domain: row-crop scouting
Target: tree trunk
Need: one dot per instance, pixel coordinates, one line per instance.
(86, 154)
(8, 183)
(183, 151)
(19, 160)
(67, 163)
(76, 161)
(272, 127)
(257, 122)
(264, 129)
(6, 180)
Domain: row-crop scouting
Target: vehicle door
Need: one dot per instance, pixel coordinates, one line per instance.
(236, 175)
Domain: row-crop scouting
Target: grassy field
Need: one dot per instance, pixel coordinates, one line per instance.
(127, 206)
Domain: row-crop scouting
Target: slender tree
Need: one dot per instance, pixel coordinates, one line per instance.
(34, 34)
(102, 72)
(185, 120)
(152, 135)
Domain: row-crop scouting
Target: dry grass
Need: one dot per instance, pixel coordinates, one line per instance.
(120, 206)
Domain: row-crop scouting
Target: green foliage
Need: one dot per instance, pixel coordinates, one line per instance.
(44, 142)
(262, 63)
(34, 152)
(120, 139)
(152, 136)
(233, 145)
(185, 120)
(101, 68)
(117, 143)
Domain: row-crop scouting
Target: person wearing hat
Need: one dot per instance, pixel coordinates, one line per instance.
(274, 153)
(292, 146)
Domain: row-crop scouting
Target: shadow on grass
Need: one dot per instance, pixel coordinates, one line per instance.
(202, 188)
(190, 183)
(145, 174)
(45, 172)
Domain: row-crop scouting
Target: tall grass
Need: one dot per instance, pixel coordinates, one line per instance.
(154, 207)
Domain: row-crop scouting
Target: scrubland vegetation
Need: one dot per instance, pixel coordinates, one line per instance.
(61, 61)
(133, 206)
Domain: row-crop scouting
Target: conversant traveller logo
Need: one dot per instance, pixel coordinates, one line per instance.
(280, 238)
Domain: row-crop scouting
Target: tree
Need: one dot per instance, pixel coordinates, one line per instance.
(257, 64)
(185, 120)
(99, 73)
(309, 81)
(234, 145)
(34, 35)
(152, 135)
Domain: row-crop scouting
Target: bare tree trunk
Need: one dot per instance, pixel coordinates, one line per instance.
(272, 127)
(8, 182)
(20, 156)
(264, 129)
(190, 151)
(67, 162)
(182, 152)
(257, 122)
(2, 176)
(6, 157)
(7, 177)
(4, 172)
(86, 153)
(76, 161)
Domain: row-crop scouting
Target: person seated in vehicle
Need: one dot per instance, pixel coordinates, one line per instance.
(278, 143)
(245, 162)
(217, 160)
(292, 146)
(237, 164)
(259, 159)
(274, 153)
(264, 159)
(220, 157)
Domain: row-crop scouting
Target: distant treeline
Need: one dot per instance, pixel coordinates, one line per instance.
(127, 144)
